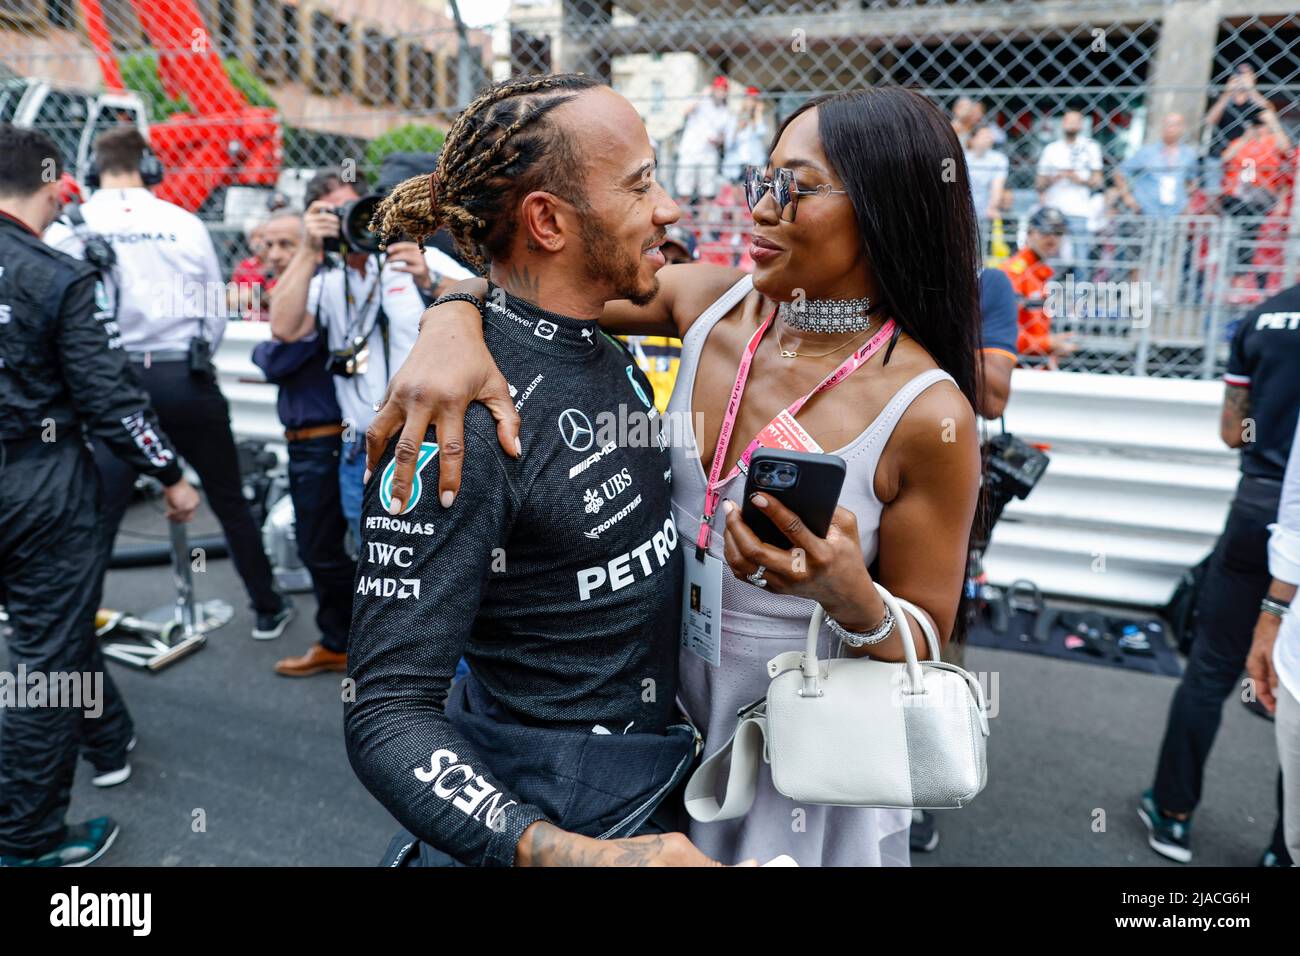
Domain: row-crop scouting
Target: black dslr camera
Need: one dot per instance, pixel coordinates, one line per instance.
(349, 361)
(1012, 468)
(355, 234)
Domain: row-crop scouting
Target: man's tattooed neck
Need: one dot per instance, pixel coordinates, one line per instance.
(523, 283)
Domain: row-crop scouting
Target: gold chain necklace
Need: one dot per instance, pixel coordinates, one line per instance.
(787, 353)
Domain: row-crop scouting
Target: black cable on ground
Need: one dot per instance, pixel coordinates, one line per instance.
(213, 545)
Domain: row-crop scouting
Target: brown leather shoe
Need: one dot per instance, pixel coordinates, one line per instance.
(318, 660)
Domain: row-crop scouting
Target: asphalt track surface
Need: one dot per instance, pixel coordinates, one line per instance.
(238, 766)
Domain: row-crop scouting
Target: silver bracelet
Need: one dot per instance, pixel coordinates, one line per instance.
(855, 639)
(1276, 608)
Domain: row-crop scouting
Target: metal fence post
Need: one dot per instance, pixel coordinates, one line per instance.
(1225, 254)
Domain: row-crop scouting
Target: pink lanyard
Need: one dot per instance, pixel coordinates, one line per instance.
(713, 494)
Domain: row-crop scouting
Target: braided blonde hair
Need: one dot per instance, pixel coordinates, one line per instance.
(500, 147)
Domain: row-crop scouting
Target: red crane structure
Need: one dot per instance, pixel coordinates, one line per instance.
(224, 141)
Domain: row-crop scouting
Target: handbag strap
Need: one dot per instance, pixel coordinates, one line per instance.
(745, 745)
(931, 638)
(808, 664)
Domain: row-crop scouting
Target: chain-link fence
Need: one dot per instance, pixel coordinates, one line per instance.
(242, 97)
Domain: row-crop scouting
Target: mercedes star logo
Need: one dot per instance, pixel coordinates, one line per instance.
(575, 429)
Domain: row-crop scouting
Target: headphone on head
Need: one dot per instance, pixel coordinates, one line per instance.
(151, 169)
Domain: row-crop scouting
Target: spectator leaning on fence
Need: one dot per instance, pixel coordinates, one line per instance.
(705, 129)
(1274, 660)
(1158, 178)
(747, 138)
(967, 115)
(1260, 405)
(988, 174)
(1234, 110)
(1069, 172)
(1256, 171)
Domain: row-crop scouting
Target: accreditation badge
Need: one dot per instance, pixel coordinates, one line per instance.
(1168, 190)
(702, 606)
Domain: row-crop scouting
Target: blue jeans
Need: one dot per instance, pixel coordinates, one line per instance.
(321, 529)
(1081, 244)
(352, 469)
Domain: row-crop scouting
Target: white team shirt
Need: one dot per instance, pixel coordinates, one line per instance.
(167, 282)
(1083, 156)
(343, 322)
(707, 121)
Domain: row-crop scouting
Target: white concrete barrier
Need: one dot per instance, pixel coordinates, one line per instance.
(252, 400)
(1136, 492)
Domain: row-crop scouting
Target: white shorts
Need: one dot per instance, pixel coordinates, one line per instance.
(697, 177)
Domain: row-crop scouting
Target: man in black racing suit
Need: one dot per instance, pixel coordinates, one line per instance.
(556, 573)
(62, 376)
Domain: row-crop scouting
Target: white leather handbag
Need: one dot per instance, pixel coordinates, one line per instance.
(856, 732)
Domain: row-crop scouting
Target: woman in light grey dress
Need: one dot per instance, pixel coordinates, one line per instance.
(863, 218)
(758, 625)
(874, 214)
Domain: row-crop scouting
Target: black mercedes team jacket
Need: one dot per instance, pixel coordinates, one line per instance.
(62, 366)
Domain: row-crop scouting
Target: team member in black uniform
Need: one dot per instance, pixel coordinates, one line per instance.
(555, 573)
(61, 371)
(1260, 404)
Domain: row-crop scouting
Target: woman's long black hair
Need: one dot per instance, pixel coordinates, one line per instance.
(903, 167)
(905, 173)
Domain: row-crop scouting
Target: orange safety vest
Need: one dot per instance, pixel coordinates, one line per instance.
(1029, 275)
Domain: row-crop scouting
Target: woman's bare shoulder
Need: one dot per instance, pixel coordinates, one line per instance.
(939, 424)
(694, 286)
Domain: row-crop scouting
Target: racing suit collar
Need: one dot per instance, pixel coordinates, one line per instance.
(17, 221)
(545, 330)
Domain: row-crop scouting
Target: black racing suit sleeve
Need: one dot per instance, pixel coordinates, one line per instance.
(104, 392)
(402, 654)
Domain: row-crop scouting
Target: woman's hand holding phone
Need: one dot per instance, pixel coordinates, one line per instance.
(830, 570)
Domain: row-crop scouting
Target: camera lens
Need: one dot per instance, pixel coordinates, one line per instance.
(354, 225)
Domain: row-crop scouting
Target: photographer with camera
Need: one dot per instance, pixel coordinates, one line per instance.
(367, 299)
(168, 299)
(313, 429)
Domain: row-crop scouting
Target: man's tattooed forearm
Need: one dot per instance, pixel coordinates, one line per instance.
(1237, 399)
(551, 846)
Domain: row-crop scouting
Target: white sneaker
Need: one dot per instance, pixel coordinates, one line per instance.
(111, 778)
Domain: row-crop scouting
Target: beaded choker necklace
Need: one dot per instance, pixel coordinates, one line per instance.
(828, 315)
